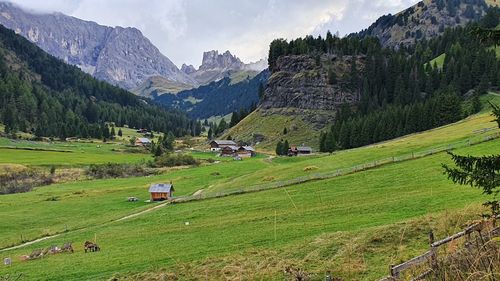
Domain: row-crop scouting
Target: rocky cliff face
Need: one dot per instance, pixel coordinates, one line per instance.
(216, 66)
(120, 56)
(300, 85)
(214, 60)
(426, 19)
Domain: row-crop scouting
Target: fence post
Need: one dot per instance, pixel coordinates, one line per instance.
(433, 251)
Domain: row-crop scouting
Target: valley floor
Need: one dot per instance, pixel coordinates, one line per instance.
(353, 224)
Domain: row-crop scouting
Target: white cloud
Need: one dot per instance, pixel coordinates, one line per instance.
(184, 29)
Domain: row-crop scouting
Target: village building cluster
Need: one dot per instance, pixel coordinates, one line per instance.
(229, 148)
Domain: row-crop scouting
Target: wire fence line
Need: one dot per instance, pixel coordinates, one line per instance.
(338, 172)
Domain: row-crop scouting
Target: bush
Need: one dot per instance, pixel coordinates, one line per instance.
(172, 160)
(23, 181)
(113, 170)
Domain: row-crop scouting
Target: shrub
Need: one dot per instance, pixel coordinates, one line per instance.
(22, 181)
(172, 160)
(113, 170)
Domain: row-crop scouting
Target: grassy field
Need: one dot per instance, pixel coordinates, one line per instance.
(264, 221)
(354, 225)
(65, 153)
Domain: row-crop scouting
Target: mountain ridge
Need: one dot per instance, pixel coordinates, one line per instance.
(108, 53)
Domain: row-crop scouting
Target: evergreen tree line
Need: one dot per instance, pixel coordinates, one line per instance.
(392, 122)
(50, 98)
(402, 80)
(165, 144)
(282, 148)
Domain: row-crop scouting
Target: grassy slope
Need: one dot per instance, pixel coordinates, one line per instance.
(348, 206)
(245, 224)
(271, 127)
(104, 199)
(439, 61)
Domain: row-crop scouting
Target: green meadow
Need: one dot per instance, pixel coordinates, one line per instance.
(354, 225)
(270, 220)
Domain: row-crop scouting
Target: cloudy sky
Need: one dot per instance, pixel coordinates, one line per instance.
(184, 29)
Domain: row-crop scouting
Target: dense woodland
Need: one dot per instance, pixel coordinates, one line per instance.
(45, 96)
(400, 91)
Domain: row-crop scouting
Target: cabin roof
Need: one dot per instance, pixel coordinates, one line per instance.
(161, 188)
(224, 142)
(247, 148)
(144, 140)
(232, 147)
(304, 148)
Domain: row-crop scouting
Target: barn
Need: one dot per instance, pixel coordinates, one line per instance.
(246, 151)
(217, 145)
(161, 191)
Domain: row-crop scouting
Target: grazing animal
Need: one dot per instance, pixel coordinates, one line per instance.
(90, 246)
(67, 247)
(36, 254)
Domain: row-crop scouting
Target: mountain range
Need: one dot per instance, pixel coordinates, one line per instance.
(121, 56)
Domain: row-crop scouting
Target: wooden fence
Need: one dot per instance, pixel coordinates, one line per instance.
(338, 172)
(422, 266)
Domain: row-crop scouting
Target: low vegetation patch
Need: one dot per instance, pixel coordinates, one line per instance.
(173, 160)
(23, 181)
(114, 170)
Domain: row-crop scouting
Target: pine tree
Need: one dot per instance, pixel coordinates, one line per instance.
(285, 148)
(279, 148)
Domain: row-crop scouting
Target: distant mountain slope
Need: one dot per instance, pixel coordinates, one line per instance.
(43, 95)
(120, 56)
(426, 19)
(218, 98)
(359, 92)
(214, 67)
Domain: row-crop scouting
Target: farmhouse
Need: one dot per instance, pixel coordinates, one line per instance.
(142, 142)
(217, 145)
(299, 150)
(230, 150)
(161, 191)
(246, 151)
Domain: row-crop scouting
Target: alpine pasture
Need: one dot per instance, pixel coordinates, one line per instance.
(386, 211)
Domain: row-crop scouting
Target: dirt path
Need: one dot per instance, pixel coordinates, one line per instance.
(56, 235)
(29, 243)
(142, 212)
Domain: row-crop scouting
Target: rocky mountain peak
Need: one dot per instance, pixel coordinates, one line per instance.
(214, 60)
(188, 69)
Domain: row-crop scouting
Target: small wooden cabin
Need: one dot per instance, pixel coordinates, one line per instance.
(142, 142)
(217, 145)
(161, 191)
(230, 150)
(246, 151)
(299, 150)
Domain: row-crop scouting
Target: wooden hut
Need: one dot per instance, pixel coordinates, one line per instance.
(161, 191)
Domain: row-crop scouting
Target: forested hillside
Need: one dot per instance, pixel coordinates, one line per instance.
(43, 95)
(369, 93)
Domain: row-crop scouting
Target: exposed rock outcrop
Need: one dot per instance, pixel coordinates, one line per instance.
(426, 19)
(120, 56)
(301, 86)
